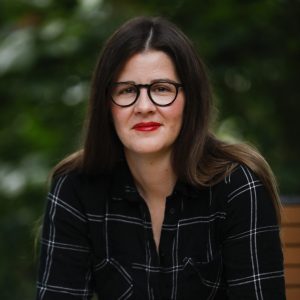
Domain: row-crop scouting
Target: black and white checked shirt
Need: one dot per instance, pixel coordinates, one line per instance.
(220, 242)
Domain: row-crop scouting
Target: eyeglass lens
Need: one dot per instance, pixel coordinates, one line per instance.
(161, 93)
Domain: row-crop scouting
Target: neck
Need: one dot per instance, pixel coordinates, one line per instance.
(154, 176)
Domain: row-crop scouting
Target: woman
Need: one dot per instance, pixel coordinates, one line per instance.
(154, 206)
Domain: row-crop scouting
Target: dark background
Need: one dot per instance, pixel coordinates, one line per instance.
(48, 51)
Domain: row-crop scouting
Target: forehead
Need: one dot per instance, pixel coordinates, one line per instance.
(147, 66)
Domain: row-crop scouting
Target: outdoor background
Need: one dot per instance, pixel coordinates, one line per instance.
(48, 50)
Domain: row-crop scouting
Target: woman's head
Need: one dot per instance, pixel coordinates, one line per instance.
(147, 105)
(102, 146)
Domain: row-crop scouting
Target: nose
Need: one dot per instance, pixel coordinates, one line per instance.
(144, 103)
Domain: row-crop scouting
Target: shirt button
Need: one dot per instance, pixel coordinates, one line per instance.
(172, 211)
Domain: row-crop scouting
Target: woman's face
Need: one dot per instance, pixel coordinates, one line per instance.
(143, 127)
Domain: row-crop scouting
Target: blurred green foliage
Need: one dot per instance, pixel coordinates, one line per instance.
(48, 50)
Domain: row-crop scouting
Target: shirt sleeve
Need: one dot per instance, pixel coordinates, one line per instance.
(65, 260)
(252, 253)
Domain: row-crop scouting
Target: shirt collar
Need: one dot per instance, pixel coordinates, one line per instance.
(123, 186)
(186, 189)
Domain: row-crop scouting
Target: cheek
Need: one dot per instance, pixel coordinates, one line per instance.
(177, 113)
(113, 112)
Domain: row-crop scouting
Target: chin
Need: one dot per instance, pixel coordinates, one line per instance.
(148, 150)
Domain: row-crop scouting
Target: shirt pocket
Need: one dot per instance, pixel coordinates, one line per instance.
(113, 280)
(202, 279)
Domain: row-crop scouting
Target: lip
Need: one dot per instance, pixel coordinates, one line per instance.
(146, 126)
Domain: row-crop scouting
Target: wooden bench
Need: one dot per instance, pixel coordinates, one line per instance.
(291, 240)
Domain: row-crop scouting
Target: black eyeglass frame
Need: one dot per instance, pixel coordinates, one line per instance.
(148, 87)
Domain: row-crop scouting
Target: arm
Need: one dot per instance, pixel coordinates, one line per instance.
(65, 262)
(252, 251)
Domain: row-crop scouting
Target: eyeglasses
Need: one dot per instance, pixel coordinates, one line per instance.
(161, 93)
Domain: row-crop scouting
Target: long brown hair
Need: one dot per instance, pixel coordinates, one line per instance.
(198, 156)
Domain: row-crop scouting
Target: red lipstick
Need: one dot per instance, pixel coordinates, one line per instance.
(146, 126)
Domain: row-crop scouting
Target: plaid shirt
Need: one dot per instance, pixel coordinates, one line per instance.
(220, 242)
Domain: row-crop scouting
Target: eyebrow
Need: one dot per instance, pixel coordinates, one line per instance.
(152, 81)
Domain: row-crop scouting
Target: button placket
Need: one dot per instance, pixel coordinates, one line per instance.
(172, 211)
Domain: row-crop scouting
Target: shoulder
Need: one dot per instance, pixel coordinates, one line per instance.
(242, 189)
(244, 197)
(78, 188)
(67, 183)
(78, 179)
(239, 180)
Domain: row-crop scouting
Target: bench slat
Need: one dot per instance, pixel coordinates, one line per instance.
(291, 256)
(292, 276)
(293, 293)
(291, 214)
(291, 235)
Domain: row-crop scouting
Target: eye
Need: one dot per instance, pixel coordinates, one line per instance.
(125, 90)
(162, 88)
(128, 90)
